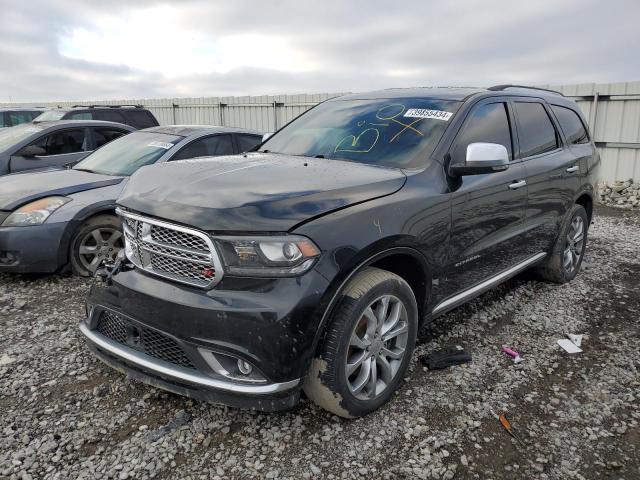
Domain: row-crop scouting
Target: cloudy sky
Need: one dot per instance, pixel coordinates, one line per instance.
(98, 49)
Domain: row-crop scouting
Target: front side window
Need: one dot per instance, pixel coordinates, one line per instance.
(126, 154)
(393, 132)
(487, 124)
(207, 147)
(536, 133)
(63, 142)
(571, 125)
(105, 135)
(247, 142)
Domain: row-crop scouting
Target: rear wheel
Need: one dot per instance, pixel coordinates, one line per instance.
(565, 260)
(367, 347)
(98, 239)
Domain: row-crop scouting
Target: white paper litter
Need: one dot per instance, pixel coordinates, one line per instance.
(569, 346)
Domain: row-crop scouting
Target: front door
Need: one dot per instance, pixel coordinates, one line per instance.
(487, 210)
(61, 148)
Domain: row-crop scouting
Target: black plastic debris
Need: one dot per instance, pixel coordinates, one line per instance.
(445, 358)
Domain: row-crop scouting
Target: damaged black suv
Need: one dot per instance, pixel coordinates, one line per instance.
(311, 263)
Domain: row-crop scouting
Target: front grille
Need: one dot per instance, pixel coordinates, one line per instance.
(171, 251)
(146, 340)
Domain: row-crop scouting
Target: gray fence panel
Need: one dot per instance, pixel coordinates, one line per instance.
(612, 110)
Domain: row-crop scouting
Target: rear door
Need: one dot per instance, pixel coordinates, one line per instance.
(487, 210)
(61, 148)
(551, 177)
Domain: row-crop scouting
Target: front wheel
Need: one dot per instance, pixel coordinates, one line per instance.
(98, 239)
(367, 347)
(564, 262)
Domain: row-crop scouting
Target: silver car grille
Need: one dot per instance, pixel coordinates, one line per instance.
(171, 251)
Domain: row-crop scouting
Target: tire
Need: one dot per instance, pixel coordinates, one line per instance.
(358, 309)
(555, 267)
(106, 227)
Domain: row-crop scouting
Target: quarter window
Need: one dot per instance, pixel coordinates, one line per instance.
(207, 147)
(571, 125)
(61, 143)
(488, 123)
(108, 116)
(536, 133)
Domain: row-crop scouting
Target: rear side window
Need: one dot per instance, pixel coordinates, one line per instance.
(571, 125)
(488, 123)
(78, 116)
(61, 143)
(105, 135)
(247, 142)
(108, 116)
(536, 133)
(207, 147)
(140, 119)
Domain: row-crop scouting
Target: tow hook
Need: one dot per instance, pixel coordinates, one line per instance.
(108, 269)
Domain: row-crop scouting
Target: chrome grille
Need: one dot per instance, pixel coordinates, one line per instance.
(171, 251)
(147, 340)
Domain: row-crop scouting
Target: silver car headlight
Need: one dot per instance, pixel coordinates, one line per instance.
(267, 256)
(35, 213)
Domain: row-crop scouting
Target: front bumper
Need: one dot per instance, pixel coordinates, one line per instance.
(33, 249)
(268, 323)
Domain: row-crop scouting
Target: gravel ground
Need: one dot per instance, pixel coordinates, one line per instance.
(65, 416)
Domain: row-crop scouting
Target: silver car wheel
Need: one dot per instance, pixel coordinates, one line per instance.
(99, 245)
(575, 242)
(377, 347)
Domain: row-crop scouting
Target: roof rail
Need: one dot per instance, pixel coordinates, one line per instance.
(497, 88)
(108, 106)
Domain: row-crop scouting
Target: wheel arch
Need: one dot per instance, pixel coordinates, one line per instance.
(404, 261)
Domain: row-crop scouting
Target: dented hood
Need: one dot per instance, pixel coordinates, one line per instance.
(256, 192)
(21, 188)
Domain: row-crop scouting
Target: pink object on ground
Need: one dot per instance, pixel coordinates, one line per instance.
(512, 353)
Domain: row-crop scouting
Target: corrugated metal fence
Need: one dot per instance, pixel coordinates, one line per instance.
(612, 110)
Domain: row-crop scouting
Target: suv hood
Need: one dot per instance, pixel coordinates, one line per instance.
(256, 192)
(21, 188)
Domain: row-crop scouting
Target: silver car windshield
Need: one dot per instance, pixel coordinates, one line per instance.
(14, 135)
(125, 155)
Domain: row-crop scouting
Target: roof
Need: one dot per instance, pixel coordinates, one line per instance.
(186, 130)
(81, 123)
(456, 93)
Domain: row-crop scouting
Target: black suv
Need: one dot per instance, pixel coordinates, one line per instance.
(311, 263)
(135, 116)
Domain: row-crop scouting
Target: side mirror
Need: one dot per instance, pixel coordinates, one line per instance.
(483, 158)
(31, 151)
(266, 136)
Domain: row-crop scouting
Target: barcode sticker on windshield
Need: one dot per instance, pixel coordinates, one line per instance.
(164, 145)
(424, 113)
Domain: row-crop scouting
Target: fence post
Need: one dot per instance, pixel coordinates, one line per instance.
(221, 113)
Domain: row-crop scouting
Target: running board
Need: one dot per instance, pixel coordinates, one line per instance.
(460, 298)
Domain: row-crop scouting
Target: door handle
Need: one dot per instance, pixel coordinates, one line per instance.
(516, 185)
(575, 168)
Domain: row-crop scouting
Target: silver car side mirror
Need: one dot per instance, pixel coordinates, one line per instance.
(483, 158)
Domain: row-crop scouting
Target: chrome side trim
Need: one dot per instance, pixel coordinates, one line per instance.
(162, 368)
(486, 285)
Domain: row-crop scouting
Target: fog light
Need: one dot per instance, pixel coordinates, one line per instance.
(244, 367)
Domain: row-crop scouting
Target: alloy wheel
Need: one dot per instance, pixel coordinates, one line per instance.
(99, 245)
(573, 247)
(377, 347)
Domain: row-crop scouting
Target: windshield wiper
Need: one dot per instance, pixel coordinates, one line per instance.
(83, 170)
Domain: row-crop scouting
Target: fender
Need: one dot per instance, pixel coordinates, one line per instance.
(342, 279)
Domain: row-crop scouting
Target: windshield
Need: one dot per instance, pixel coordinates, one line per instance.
(388, 132)
(125, 155)
(13, 135)
(50, 116)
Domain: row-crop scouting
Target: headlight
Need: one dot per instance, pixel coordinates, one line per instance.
(35, 213)
(267, 256)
